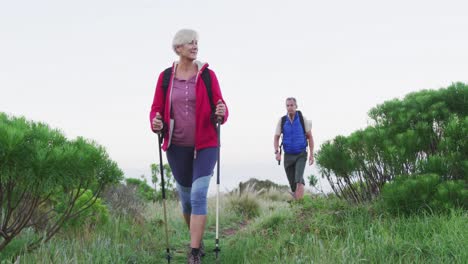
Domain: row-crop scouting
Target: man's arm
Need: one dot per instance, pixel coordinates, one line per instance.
(310, 138)
(276, 147)
(276, 142)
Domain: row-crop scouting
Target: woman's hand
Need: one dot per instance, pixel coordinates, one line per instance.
(158, 124)
(220, 110)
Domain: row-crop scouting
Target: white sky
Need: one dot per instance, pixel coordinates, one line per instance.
(90, 67)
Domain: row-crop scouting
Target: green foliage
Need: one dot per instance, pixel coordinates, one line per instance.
(427, 192)
(169, 181)
(423, 133)
(333, 232)
(37, 164)
(410, 194)
(274, 222)
(274, 194)
(245, 203)
(144, 191)
(313, 180)
(326, 230)
(451, 195)
(94, 213)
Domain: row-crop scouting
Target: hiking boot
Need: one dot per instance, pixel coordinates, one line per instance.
(202, 249)
(194, 259)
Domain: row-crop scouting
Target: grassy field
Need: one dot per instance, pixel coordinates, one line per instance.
(264, 228)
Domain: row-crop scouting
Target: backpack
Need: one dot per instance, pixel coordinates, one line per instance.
(205, 75)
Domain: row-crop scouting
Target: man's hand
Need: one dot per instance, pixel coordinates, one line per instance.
(311, 159)
(278, 156)
(157, 123)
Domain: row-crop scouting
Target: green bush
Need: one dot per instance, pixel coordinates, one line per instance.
(450, 195)
(423, 133)
(425, 192)
(40, 168)
(92, 214)
(144, 191)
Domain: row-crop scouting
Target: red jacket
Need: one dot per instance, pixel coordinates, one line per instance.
(205, 132)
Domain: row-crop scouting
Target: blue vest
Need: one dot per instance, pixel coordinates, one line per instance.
(294, 140)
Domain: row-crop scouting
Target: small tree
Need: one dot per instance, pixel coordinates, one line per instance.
(424, 133)
(37, 165)
(169, 180)
(144, 191)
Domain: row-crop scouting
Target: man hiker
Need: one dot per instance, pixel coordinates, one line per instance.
(297, 134)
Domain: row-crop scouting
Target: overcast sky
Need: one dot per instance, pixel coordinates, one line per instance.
(89, 67)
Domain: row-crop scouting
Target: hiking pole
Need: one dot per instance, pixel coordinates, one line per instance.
(161, 169)
(218, 132)
(279, 161)
(280, 152)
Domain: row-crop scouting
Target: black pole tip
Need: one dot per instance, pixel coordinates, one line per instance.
(168, 255)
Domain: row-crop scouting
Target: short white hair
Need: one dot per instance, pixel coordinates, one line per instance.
(183, 36)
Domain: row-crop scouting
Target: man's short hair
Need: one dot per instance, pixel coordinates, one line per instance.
(292, 99)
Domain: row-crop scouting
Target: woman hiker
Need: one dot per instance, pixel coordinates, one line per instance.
(186, 106)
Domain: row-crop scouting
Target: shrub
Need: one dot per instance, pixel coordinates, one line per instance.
(275, 195)
(423, 133)
(426, 192)
(92, 214)
(450, 195)
(123, 201)
(39, 164)
(245, 203)
(143, 190)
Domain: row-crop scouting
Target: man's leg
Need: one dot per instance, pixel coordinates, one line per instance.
(299, 174)
(299, 191)
(290, 169)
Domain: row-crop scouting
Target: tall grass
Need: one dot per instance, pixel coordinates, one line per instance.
(318, 230)
(323, 231)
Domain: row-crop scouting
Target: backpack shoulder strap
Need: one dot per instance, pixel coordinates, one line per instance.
(283, 121)
(206, 77)
(207, 80)
(301, 118)
(166, 79)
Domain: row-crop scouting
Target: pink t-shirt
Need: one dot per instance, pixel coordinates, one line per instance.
(183, 112)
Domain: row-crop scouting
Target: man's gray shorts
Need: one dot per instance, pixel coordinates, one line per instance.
(294, 165)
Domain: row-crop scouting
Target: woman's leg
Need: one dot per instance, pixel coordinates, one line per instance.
(184, 196)
(202, 171)
(199, 210)
(181, 162)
